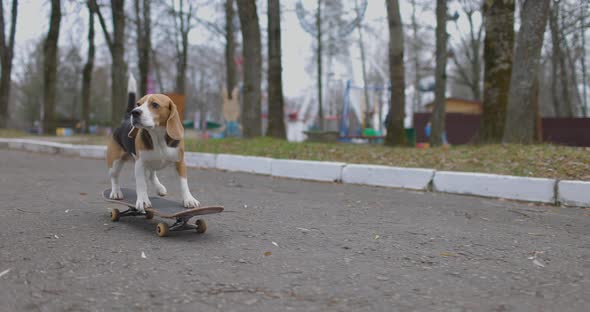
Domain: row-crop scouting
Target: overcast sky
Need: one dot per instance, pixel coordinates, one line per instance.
(296, 44)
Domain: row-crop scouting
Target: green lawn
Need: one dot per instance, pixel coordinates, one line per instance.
(522, 160)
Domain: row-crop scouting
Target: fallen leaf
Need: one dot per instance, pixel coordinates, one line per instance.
(4, 272)
(143, 255)
(448, 254)
(377, 237)
(538, 263)
(268, 253)
(274, 243)
(382, 278)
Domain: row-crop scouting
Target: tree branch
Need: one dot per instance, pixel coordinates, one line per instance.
(103, 25)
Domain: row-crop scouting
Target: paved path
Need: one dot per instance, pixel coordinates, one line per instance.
(340, 247)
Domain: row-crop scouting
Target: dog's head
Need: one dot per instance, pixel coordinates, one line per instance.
(157, 110)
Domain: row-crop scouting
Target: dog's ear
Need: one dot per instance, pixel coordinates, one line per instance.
(174, 125)
(133, 133)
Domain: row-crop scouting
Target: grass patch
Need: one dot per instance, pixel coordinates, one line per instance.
(545, 160)
(11, 133)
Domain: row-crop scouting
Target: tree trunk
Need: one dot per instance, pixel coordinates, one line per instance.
(87, 72)
(230, 48)
(144, 43)
(276, 122)
(50, 67)
(438, 114)
(182, 64)
(498, 50)
(6, 56)
(319, 63)
(368, 109)
(119, 67)
(395, 125)
(555, 55)
(252, 67)
(520, 119)
(417, 99)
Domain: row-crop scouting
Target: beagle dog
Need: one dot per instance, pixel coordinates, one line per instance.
(152, 134)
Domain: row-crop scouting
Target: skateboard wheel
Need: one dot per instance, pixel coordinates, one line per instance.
(149, 215)
(201, 226)
(162, 229)
(115, 214)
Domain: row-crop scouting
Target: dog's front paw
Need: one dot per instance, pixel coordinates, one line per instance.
(142, 202)
(190, 202)
(116, 194)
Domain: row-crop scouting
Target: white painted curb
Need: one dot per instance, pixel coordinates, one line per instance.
(200, 160)
(92, 151)
(500, 186)
(258, 165)
(407, 178)
(307, 170)
(574, 193)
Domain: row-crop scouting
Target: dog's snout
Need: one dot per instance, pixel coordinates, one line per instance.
(136, 113)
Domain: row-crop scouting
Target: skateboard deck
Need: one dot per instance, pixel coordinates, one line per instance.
(163, 208)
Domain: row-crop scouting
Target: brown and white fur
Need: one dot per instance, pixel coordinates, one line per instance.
(152, 134)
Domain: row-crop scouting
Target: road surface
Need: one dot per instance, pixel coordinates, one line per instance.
(282, 245)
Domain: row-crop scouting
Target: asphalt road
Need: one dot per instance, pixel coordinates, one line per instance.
(336, 247)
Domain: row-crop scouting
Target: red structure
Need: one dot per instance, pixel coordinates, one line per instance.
(461, 128)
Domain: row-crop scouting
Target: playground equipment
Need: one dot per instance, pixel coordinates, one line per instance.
(231, 113)
(355, 108)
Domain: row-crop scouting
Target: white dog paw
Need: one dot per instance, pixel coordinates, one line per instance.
(116, 194)
(190, 202)
(142, 203)
(161, 190)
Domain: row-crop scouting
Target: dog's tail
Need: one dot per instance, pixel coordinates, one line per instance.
(131, 93)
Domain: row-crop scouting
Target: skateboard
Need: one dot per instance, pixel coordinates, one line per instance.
(163, 208)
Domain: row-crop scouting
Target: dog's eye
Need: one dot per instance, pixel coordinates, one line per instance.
(137, 104)
(155, 105)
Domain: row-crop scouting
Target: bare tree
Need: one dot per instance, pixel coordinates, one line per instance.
(183, 22)
(498, 50)
(50, 67)
(319, 63)
(438, 114)
(561, 102)
(116, 44)
(520, 119)
(87, 72)
(395, 124)
(144, 42)
(230, 48)
(416, 45)
(6, 56)
(252, 67)
(471, 47)
(276, 123)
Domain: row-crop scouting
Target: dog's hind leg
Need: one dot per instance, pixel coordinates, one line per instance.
(115, 160)
(159, 187)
